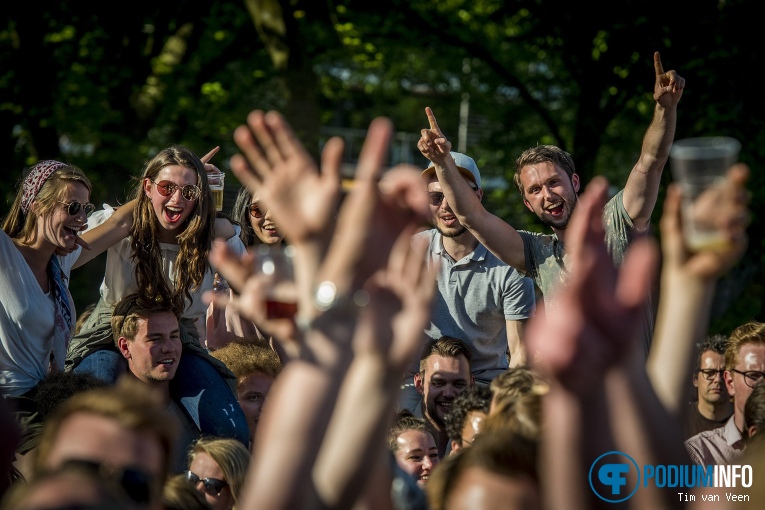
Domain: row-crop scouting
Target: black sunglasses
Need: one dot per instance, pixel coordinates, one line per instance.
(436, 197)
(167, 188)
(136, 483)
(74, 207)
(255, 211)
(212, 486)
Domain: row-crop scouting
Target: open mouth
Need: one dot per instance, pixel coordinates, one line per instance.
(449, 219)
(74, 232)
(556, 210)
(167, 362)
(173, 214)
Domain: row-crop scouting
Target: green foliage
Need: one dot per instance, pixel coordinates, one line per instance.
(105, 88)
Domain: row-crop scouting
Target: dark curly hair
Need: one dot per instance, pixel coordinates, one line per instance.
(474, 398)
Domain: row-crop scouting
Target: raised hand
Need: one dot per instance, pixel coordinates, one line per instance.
(374, 213)
(249, 298)
(598, 311)
(669, 86)
(433, 144)
(400, 305)
(276, 167)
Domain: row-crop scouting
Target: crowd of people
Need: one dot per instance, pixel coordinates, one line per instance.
(416, 367)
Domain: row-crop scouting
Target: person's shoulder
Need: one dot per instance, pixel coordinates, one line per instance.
(100, 216)
(527, 234)
(425, 235)
(616, 202)
(705, 435)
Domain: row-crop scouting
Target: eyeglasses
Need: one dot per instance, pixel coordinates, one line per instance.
(136, 483)
(74, 207)
(710, 374)
(436, 197)
(255, 211)
(167, 188)
(212, 486)
(752, 377)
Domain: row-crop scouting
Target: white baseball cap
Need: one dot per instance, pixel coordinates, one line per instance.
(465, 164)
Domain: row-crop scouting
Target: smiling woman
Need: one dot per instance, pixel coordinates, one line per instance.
(37, 317)
(165, 257)
(217, 468)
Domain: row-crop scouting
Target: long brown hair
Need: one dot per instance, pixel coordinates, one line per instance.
(194, 240)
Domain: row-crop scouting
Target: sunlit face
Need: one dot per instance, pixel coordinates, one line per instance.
(442, 216)
(264, 227)
(417, 454)
(172, 211)
(751, 357)
(549, 193)
(474, 423)
(712, 391)
(58, 228)
(154, 354)
(444, 379)
(251, 392)
(205, 467)
(86, 436)
(479, 488)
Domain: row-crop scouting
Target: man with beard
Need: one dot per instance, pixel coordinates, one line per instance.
(547, 180)
(444, 374)
(713, 406)
(478, 298)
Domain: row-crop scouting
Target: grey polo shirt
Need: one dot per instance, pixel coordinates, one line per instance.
(475, 296)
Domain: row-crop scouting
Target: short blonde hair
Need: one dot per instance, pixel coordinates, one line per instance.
(232, 457)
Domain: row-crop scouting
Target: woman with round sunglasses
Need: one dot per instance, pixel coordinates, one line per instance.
(37, 317)
(258, 226)
(165, 256)
(39, 245)
(217, 468)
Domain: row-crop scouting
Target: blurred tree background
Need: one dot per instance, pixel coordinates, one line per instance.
(106, 86)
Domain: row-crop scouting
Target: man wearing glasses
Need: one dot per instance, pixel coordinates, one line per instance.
(744, 368)
(712, 406)
(479, 298)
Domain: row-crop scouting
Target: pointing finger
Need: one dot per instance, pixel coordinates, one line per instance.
(432, 120)
(657, 64)
(207, 157)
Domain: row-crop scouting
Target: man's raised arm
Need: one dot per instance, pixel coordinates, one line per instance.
(642, 187)
(498, 236)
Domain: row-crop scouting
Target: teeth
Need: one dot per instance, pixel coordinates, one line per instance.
(174, 209)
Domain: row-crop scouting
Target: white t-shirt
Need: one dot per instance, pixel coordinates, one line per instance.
(119, 280)
(27, 317)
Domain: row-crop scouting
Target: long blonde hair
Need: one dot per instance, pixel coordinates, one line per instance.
(194, 240)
